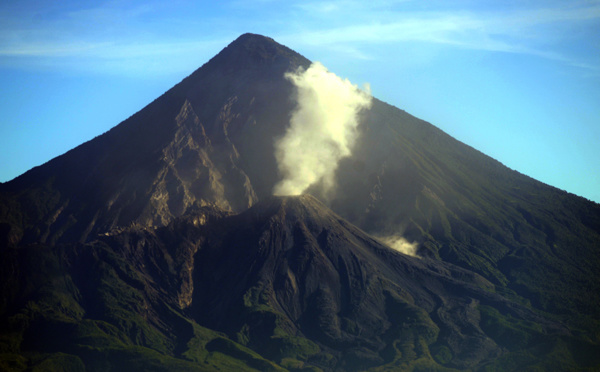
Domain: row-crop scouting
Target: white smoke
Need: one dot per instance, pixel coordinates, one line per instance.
(400, 244)
(323, 129)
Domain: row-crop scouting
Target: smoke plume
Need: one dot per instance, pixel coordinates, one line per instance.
(400, 244)
(323, 129)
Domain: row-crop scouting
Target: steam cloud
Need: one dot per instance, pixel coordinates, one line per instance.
(322, 129)
(401, 245)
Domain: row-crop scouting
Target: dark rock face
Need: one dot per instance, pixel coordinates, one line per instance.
(288, 279)
(159, 242)
(289, 267)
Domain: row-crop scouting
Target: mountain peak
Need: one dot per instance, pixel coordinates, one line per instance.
(249, 39)
(252, 50)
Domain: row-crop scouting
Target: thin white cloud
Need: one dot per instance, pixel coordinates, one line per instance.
(107, 50)
(345, 6)
(352, 28)
(114, 37)
(529, 31)
(88, 31)
(130, 59)
(49, 50)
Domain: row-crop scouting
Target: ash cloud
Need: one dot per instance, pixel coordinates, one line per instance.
(400, 244)
(323, 129)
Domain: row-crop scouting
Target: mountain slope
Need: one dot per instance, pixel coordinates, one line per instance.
(112, 304)
(209, 143)
(290, 267)
(175, 154)
(407, 176)
(287, 282)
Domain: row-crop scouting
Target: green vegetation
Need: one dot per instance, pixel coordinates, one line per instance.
(513, 334)
(110, 328)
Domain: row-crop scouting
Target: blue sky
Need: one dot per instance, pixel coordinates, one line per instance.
(517, 80)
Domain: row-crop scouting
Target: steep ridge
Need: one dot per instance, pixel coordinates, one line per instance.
(116, 303)
(176, 153)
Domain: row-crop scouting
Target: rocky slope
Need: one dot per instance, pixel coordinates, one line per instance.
(286, 284)
(182, 151)
(289, 269)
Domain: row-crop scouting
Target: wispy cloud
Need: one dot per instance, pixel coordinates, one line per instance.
(536, 32)
(118, 37)
(107, 50)
(125, 32)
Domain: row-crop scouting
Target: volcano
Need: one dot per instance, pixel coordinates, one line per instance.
(159, 246)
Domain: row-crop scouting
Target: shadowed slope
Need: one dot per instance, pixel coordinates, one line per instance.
(289, 269)
(287, 281)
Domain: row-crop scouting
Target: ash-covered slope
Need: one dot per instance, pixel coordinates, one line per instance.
(286, 284)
